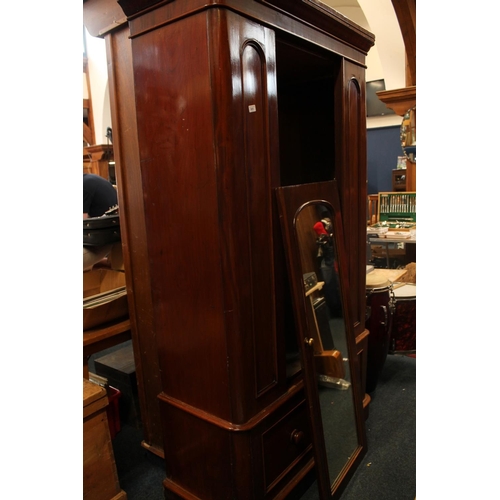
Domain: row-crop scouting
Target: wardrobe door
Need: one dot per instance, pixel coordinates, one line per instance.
(351, 129)
(253, 270)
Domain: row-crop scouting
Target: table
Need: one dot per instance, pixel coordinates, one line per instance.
(386, 241)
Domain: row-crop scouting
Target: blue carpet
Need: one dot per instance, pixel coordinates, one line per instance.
(387, 471)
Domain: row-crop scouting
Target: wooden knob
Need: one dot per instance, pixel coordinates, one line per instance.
(309, 341)
(297, 437)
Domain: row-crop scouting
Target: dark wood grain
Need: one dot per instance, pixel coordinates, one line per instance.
(135, 250)
(351, 176)
(227, 101)
(406, 12)
(105, 18)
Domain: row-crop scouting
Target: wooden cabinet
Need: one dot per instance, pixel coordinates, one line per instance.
(100, 479)
(232, 100)
(399, 179)
(96, 160)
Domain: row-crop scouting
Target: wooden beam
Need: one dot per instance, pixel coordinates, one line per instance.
(87, 134)
(399, 100)
(88, 128)
(406, 12)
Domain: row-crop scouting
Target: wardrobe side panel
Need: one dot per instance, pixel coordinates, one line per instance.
(179, 176)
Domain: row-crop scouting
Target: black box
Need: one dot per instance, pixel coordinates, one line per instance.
(118, 367)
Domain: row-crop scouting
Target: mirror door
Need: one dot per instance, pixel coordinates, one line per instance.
(312, 231)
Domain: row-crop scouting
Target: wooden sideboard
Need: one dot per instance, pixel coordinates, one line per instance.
(214, 105)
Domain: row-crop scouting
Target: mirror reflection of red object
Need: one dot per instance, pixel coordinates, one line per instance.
(319, 228)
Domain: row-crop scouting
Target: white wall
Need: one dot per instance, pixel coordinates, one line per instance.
(99, 93)
(385, 60)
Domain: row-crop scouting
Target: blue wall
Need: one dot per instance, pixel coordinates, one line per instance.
(383, 149)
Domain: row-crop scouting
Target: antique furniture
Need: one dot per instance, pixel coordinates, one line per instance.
(399, 179)
(105, 312)
(404, 99)
(96, 160)
(372, 216)
(100, 479)
(408, 135)
(103, 337)
(229, 100)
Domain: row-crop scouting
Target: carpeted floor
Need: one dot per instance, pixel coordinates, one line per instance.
(387, 472)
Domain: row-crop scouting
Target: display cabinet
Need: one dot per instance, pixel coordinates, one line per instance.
(399, 179)
(234, 99)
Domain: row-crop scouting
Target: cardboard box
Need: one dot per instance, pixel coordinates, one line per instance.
(104, 297)
(118, 368)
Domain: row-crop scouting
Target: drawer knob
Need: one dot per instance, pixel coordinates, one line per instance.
(297, 437)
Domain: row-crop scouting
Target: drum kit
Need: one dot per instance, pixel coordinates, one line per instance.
(391, 321)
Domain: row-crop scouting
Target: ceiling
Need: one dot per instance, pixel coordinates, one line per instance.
(386, 60)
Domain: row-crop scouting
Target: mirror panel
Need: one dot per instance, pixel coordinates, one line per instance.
(326, 325)
(312, 230)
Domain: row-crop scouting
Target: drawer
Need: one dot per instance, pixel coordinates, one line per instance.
(285, 443)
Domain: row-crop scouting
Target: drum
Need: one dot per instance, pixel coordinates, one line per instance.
(404, 328)
(379, 312)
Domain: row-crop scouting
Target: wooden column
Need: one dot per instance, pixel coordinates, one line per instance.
(400, 101)
(406, 12)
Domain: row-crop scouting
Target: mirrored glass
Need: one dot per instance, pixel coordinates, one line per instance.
(320, 270)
